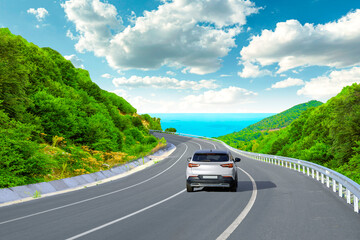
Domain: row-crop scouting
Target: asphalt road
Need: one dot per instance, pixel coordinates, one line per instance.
(153, 204)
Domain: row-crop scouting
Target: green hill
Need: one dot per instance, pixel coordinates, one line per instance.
(55, 122)
(328, 135)
(244, 138)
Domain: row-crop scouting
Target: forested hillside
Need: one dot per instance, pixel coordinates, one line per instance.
(55, 122)
(244, 139)
(328, 135)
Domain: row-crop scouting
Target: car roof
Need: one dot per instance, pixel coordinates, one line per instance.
(212, 151)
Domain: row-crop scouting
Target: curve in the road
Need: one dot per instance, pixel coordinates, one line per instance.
(99, 196)
(287, 206)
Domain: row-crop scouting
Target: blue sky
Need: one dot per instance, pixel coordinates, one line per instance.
(218, 56)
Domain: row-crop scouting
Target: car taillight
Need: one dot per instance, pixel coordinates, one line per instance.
(228, 165)
(191, 165)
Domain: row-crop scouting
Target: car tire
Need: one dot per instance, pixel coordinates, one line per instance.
(189, 188)
(234, 186)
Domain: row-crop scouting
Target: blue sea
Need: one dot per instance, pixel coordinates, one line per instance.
(209, 124)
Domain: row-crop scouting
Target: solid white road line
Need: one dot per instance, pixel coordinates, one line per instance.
(244, 212)
(125, 217)
(89, 199)
(197, 144)
(209, 141)
(206, 141)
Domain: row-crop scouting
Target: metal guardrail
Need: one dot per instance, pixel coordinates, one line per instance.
(344, 186)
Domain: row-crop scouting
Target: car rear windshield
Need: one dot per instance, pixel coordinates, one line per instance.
(210, 157)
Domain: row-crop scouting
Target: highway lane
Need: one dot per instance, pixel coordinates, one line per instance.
(288, 205)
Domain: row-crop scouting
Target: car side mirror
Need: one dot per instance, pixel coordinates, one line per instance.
(237, 159)
(189, 159)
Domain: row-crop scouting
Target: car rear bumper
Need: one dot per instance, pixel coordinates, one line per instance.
(201, 181)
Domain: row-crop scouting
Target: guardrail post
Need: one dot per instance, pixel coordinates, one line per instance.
(322, 178)
(348, 196)
(308, 171)
(356, 204)
(317, 175)
(299, 168)
(312, 173)
(340, 190)
(327, 181)
(286, 164)
(303, 167)
(334, 185)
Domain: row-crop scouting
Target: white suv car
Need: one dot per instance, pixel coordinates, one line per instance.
(211, 168)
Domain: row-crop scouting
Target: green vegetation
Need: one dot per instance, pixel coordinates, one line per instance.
(55, 122)
(173, 130)
(328, 135)
(37, 194)
(245, 139)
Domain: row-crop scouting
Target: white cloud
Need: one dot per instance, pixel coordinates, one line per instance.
(291, 44)
(77, 62)
(228, 95)
(39, 13)
(325, 87)
(107, 75)
(290, 82)
(70, 35)
(94, 22)
(228, 100)
(171, 73)
(180, 33)
(225, 75)
(163, 82)
(251, 70)
(132, 18)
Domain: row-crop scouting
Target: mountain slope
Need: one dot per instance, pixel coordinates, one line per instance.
(55, 122)
(243, 139)
(328, 135)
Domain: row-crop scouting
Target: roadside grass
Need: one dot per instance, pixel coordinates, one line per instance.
(37, 194)
(74, 160)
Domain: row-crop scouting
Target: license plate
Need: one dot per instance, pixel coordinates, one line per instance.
(210, 177)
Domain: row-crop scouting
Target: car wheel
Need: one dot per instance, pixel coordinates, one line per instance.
(234, 186)
(189, 188)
